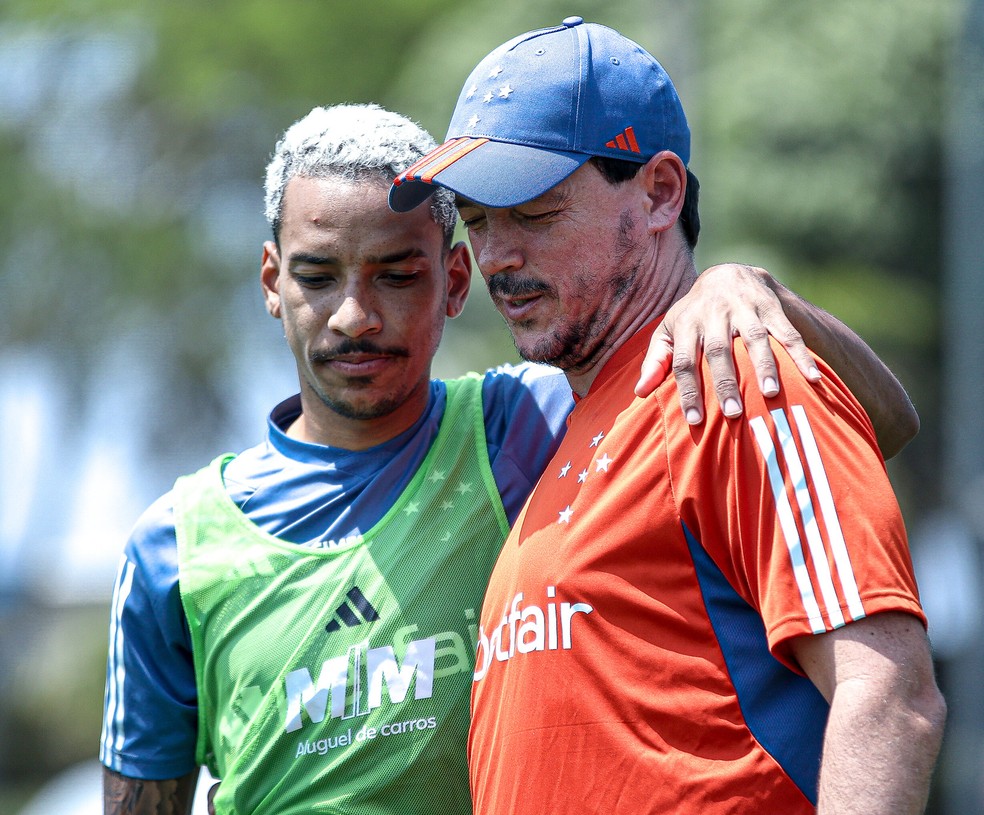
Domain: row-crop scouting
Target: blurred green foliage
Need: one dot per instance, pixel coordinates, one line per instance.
(821, 134)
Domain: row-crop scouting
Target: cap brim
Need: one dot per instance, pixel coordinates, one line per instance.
(490, 173)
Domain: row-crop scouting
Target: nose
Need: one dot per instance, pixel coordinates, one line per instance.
(354, 317)
(497, 250)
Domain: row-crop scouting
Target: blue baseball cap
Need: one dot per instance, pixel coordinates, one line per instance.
(541, 105)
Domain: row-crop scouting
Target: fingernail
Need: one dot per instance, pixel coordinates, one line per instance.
(770, 387)
(731, 407)
(693, 416)
(815, 373)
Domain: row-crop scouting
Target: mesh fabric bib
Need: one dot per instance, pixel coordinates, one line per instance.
(338, 680)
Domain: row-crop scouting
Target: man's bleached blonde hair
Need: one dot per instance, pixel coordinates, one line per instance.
(356, 143)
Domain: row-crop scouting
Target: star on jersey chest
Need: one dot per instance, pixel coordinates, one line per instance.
(452, 493)
(587, 462)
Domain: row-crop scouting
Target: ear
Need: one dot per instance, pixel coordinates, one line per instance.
(270, 278)
(459, 270)
(665, 177)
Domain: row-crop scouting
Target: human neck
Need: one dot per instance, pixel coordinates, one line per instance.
(672, 276)
(320, 424)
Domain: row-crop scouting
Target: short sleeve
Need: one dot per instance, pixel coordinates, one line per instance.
(150, 704)
(794, 504)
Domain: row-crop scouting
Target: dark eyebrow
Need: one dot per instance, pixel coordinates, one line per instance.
(372, 260)
(311, 260)
(395, 257)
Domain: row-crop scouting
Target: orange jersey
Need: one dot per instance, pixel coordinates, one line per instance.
(633, 650)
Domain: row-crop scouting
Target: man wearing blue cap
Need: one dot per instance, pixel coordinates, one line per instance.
(300, 617)
(715, 618)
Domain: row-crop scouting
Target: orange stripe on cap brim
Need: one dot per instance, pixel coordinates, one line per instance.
(458, 153)
(437, 152)
(630, 135)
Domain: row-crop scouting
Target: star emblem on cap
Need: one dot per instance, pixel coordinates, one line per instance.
(495, 72)
(474, 120)
(505, 90)
(471, 91)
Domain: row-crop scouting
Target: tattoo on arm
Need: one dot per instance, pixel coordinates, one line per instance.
(134, 796)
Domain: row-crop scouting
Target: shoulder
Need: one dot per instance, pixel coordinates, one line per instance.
(525, 399)
(152, 536)
(530, 384)
(525, 409)
(828, 402)
(526, 394)
(147, 581)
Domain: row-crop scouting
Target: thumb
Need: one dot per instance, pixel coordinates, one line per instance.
(656, 365)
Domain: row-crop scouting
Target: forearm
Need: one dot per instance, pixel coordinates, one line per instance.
(133, 796)
(888, 406)
(878, 760)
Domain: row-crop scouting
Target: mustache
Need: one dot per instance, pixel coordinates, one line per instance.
(350, 346)
(502, 284)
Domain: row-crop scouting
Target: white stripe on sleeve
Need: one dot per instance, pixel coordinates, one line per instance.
(112, 734)
(818, 552)
(788, 525)
(831, 520)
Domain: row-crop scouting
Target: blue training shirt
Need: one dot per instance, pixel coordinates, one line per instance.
(311, 495)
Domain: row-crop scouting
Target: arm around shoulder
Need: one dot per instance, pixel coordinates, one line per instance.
(123, 795)
(877, 389)
(732, 300)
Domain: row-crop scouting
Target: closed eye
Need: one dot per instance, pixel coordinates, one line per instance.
(535, 217)
(472, 221)
(313, 281)
(400, 279)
